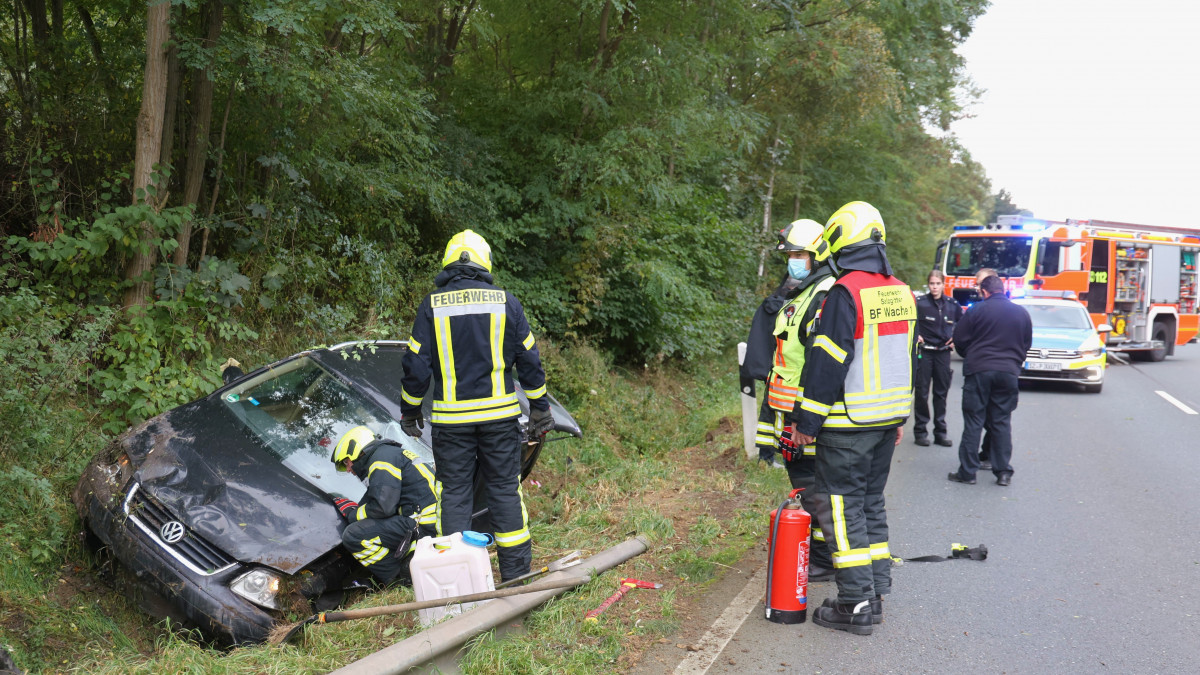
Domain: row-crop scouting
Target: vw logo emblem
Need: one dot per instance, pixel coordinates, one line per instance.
(1045, 353)
(172, 532)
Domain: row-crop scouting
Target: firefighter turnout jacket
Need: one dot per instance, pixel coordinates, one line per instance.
(859, 373)
(466, 337)
(398, 483)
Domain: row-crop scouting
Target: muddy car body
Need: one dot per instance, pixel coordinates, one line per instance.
(221, 508)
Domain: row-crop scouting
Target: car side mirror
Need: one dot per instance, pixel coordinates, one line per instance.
(1104, 328)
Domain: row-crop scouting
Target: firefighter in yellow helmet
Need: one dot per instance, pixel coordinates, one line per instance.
(808, 261)
(467, 337)
(857, 394)
(398, 508)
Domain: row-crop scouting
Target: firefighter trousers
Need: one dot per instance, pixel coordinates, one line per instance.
(494, 451)
(851, 473)
(382, 545)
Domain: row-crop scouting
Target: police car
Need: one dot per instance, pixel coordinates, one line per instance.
(1066, 346)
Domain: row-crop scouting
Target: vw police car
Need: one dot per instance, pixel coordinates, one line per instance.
(1066, 346)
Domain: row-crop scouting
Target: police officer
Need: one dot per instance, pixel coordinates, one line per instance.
(857, 395)
(993, 338)
(808, 254)
(466, 338)
(936, 316)
(398, 508)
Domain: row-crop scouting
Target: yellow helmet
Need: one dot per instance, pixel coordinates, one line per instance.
(804, 235)
(855, 224)
(350, 445)
(470, 248)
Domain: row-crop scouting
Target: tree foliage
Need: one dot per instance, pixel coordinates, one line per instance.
(622, 158)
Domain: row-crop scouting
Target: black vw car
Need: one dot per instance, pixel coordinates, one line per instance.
(221, 508)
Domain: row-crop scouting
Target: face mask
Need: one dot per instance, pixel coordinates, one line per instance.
(798, 269)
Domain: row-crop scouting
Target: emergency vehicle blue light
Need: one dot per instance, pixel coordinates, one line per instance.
(1031, 227)
(967, 227)
(1016, 293)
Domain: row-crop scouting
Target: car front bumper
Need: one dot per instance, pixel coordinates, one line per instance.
(1083, 370)
(168, 588)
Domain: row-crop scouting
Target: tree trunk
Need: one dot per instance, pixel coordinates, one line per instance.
(767, 199)
(148, 147)
(197, 150)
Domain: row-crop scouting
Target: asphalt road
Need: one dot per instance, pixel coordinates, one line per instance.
(1094, 561)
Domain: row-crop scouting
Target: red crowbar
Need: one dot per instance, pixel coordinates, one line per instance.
(626, 585)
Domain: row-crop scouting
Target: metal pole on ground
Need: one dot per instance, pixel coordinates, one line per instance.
(453, 633)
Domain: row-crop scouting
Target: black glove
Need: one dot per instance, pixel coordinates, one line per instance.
(346, 507)
(540, 422)
(413, 425)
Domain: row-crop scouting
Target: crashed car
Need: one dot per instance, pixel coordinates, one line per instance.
(222, 509)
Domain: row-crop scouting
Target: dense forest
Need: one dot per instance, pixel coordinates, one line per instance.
(185, 180)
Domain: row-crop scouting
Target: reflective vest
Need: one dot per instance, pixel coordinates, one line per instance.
(878, 390)
(783, 384)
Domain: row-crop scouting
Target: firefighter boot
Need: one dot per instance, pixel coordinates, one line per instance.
(853, 617)
(876, 608)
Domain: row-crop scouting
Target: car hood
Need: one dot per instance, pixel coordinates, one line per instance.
(1059, 338)
(201, 464)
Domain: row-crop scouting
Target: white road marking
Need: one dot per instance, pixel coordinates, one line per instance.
(725, 627)
(1175, 402)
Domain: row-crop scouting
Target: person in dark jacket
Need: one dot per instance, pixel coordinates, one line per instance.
(399, 507)
(937, 315)
(468, 337)
(993, 338)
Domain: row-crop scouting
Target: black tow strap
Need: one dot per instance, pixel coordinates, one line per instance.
(957, 551)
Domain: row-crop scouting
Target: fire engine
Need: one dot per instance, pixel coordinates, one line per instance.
(1139, 279)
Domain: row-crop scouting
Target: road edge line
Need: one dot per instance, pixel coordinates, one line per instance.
(710, 646)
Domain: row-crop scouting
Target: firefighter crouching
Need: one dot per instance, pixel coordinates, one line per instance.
(467, 336)
(808, 255)
(399, 507)
(857, 395)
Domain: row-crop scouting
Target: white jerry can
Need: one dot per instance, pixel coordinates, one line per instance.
(444, 567)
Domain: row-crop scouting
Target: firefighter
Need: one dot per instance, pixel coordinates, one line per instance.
(759, 359)
(467, 336)
(399, 507)
(937, 314)
(807, 254)
(857, 395)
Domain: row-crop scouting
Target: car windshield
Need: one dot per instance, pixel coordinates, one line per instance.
(1058, 316)
(300, 410)
(1009, 256)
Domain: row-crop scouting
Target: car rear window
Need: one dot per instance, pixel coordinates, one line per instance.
(299, 410)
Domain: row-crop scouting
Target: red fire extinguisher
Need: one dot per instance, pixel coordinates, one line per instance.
(787, 562)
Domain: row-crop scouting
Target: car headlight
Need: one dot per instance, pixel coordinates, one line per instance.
(1091, 347)
(258, 586)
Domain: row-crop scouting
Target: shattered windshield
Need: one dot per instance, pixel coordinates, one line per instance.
(300, 410)
(1009, 256)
